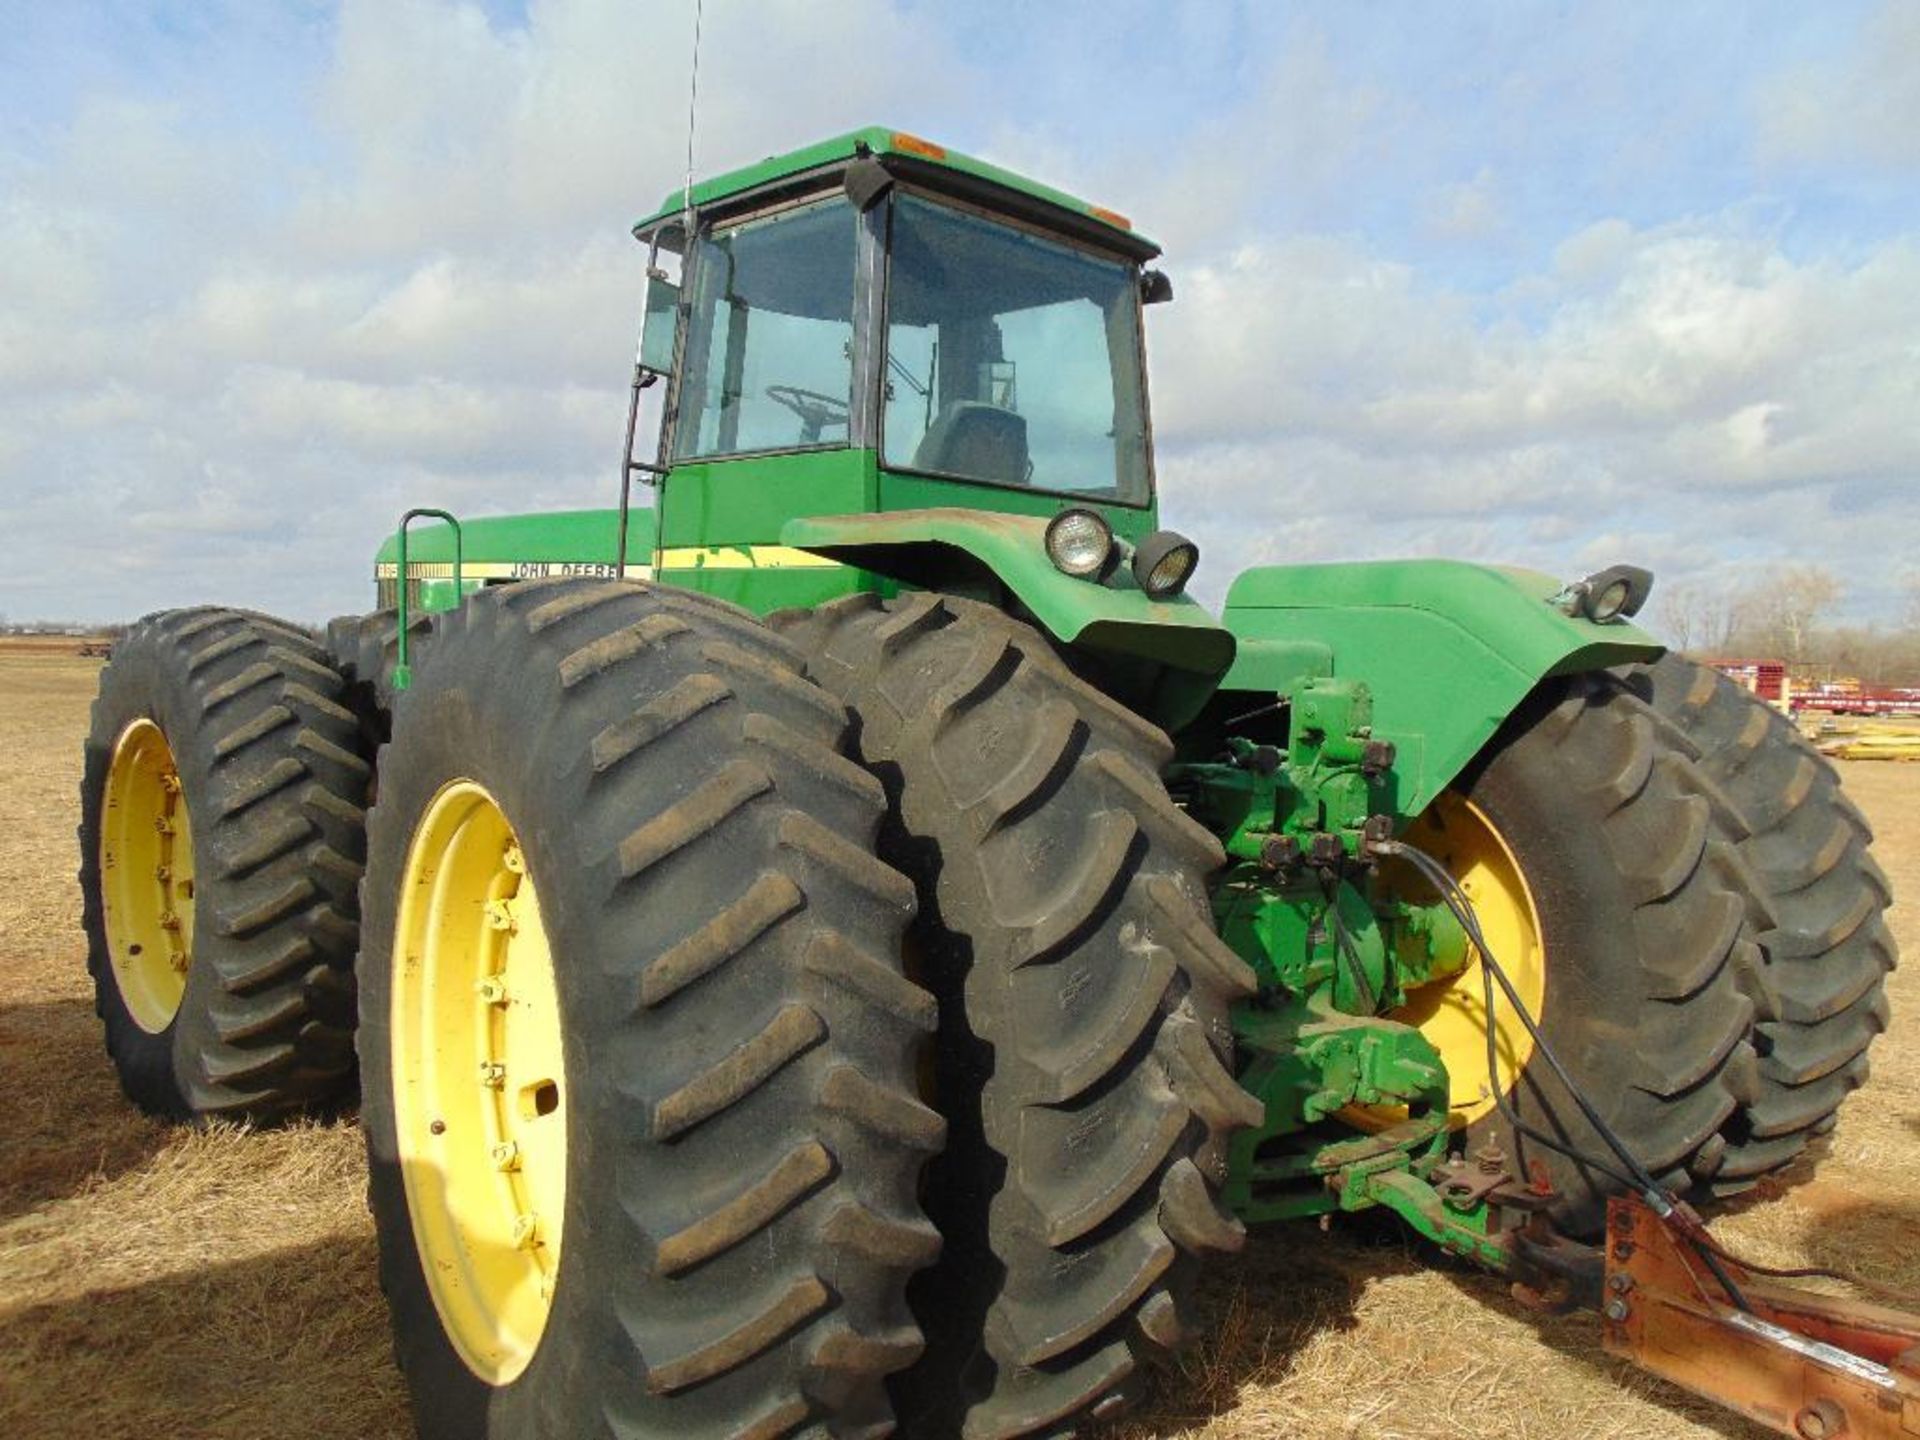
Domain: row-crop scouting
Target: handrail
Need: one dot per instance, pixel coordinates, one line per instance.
(402, 671)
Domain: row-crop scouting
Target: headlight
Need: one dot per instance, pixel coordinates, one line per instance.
(1611, 603)
(1164, 562)
(1607, 595)
(1080, 543)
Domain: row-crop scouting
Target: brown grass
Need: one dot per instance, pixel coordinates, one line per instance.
(220, 1284)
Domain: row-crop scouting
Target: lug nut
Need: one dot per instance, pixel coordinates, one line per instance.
(1620, 1284)
(179, 960)
(493, 1074)
(500, 915)
(513, 860)
(1618, 1310)
(506, 1155)
(526, 1231)
(492, 989)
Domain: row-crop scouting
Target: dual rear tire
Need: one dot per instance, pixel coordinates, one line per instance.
(671, 1100)
(1819, 912)
(1711, 932)
(1084, 1053)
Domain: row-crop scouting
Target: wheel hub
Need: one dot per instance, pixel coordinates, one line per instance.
(479, 1081)
(147, 875)
(1451, 1012)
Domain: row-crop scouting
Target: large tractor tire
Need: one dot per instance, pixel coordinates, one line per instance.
(1822, 996)
(366, 648)
(1083, 1054)
(1616, 904)
(638, 1059)
(221, 839)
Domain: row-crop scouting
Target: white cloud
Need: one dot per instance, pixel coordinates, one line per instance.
(1860, 109)
(230, 353)
(1690, 392)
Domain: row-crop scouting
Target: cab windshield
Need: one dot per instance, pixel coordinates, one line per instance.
(1011, 359)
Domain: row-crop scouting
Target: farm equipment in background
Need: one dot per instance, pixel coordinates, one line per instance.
(1766, 680)
(843, 944)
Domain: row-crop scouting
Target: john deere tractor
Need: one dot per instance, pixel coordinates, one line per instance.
(842, 946)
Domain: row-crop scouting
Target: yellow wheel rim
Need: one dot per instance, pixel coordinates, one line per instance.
(146, 876)
(479, 1086)
(1451, 1012)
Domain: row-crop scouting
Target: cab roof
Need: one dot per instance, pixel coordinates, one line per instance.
(912, 158)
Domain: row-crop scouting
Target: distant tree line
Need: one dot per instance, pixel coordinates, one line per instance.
(59, 627)
(1786, 614)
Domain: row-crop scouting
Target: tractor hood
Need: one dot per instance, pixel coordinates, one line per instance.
(522, 547)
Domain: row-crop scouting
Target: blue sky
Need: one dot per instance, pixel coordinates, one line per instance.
(1552, 284)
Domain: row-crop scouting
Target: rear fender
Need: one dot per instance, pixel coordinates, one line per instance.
(1448, 650)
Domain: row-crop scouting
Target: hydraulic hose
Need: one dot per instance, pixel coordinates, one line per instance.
(1638, 1177)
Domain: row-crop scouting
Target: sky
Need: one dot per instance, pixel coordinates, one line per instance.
(1525, 283)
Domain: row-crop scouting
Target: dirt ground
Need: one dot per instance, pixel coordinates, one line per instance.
(220, 1284)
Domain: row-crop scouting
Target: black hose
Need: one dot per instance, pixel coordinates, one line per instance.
(1662, 1203)
(1343, 947)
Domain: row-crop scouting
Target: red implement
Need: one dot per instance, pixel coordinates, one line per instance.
(1807, 1365)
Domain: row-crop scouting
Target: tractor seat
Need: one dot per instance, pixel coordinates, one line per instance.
(977, 440)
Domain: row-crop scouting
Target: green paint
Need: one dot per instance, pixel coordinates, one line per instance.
(906, 490)
(1306, 1063)
(826, 155)
(1114, 616)
(746, 500)
(1447, 649)
(585, 537)
(402, 671)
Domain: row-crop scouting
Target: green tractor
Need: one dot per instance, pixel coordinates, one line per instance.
(842, 946)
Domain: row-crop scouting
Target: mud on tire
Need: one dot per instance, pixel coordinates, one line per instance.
(274, 774)
(743, 1139)
(1820, 995)
(1083, 1051)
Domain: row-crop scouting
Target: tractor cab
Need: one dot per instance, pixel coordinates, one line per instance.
(885, 365)
(878, 325)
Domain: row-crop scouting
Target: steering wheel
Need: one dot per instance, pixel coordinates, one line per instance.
(816, 410)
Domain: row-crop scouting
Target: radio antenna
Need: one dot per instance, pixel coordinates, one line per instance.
(693, 102)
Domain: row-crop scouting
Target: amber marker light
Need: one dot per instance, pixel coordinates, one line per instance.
(914, 145)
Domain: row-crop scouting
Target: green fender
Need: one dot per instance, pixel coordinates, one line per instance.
(1448, 650)
(1177, 644)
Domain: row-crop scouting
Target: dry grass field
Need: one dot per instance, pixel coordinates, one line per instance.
(158, 1282)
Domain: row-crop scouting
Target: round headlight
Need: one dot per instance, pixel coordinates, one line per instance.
(1608, 595)
(1604, 606)
(1164, 563)
(1080, 543)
